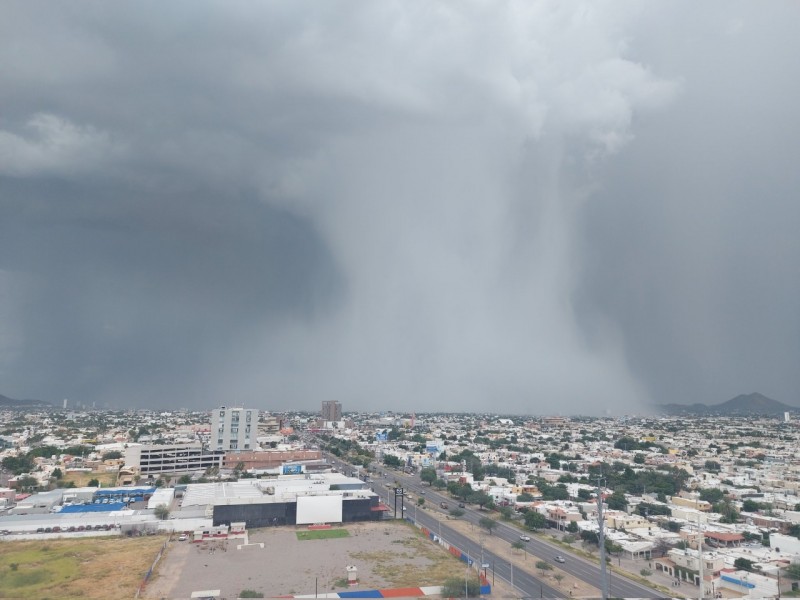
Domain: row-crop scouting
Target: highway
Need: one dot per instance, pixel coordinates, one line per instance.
(525, 583)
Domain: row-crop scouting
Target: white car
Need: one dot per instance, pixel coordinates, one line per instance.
(559, 559)
(525, 538)
(183, 537)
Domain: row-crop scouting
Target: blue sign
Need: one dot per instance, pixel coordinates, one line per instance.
(292, 469)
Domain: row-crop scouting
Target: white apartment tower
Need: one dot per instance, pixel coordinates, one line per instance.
(233, 428)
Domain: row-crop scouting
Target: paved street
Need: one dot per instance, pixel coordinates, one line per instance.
(526, 583)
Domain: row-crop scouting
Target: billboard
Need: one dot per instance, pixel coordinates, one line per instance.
(319, 509)
(291, 469)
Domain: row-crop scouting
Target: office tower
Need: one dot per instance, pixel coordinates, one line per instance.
(331, 410)
(233, 428)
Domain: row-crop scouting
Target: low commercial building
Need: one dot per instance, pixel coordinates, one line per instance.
(155, 460)
(287, 500)
(267, 459)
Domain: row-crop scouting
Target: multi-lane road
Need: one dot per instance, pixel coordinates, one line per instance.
(524, 582)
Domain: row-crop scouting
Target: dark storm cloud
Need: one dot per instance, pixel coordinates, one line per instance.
(472, 206)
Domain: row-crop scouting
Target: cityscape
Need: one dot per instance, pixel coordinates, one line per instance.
(399, 299)
(679, 501)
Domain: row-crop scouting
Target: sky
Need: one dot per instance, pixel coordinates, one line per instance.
(510, 207)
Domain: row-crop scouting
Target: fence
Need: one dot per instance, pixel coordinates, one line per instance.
(486, 587)
(149, 573)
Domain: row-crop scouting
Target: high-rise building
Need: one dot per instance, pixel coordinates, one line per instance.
(331, 410)
(233, 428)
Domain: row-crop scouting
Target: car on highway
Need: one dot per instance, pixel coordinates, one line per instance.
(461, 505)
(525, 538)
(559, 559)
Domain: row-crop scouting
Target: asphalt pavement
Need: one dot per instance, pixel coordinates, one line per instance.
(527, 584)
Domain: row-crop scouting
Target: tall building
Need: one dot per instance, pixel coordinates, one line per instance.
(331, 410)
(233, 428)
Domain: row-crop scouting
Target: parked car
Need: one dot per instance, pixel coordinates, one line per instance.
(183, 537)
(525, 538)
(559, 559)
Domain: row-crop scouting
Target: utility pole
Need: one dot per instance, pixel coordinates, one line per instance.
(601, 537)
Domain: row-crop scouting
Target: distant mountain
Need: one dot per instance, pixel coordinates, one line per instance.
(744, 404)
(6, 402)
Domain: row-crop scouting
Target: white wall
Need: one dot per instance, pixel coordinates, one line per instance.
(319, 509)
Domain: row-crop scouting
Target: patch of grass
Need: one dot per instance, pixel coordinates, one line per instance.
(81, 479)
(90, 568)
(322, 534)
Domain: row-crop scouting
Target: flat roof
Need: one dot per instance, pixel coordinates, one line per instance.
(284, 488)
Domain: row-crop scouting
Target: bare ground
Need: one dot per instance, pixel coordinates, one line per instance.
(387, 554)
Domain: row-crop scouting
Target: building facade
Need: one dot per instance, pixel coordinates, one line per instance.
(153, 460)
(331, 411)
(233, 429)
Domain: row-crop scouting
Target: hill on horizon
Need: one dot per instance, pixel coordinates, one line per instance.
(6, 402)
(743, 404)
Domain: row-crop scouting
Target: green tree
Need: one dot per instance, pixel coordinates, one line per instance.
(112, 455)
(420, 501)
(28, 483)
(525, 497)
(712, 495)
(750, 506)
(184, 479)
(506, 512)
(454, 588)
(535, 520)
(543, 566)
(743, 564)
(428, 475)
(18, 464)
(572, 527)
(250, 594)
(518, 545)
(392, 461)
(161, 511)
(57, 473)
(439, 484)
(639, 458)
(617, 501)
(793, 571)
(481, 499)
(93, 482)
(487, 524)
(456, 512)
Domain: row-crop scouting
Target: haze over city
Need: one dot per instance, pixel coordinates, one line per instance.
(518, 207)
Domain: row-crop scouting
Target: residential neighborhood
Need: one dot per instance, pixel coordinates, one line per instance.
(712, 499)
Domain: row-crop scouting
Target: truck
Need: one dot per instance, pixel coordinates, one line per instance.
(443, 505)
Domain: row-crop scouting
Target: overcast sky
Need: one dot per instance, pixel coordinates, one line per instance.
(516, 207)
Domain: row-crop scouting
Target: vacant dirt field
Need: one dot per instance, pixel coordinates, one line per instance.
(87, 568)
(386, 554)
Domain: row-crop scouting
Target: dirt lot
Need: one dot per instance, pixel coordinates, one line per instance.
(86, 568)
(386, 554)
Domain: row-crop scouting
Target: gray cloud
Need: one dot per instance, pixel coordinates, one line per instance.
(399, 205)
